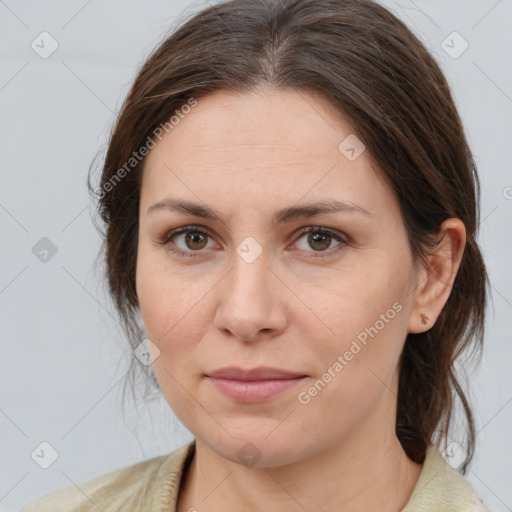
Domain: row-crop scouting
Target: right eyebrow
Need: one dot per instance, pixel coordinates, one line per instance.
(281, 216)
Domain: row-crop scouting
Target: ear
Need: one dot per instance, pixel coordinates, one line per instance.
(435, 282)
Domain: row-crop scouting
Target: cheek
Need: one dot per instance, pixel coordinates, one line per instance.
(357, 366)
(174, 309)
(356, 301)
(167, 299)
(367, 312)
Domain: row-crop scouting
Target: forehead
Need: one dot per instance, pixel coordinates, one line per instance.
(263, 120)
(281, 143)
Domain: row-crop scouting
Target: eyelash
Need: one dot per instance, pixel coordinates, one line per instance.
(167, 240)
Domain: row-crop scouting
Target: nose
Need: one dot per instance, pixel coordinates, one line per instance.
(251, 305)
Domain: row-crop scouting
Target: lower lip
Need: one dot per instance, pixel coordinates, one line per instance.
(253, 391)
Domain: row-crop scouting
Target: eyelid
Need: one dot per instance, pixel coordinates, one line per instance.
(321, 229)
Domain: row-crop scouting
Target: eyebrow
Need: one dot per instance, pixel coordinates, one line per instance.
(281, 216)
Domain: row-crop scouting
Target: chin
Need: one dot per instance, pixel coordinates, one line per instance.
(253, 448)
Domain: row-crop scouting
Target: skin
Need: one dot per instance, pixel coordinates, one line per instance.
(247, 156)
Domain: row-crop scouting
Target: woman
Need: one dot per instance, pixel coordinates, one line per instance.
(291, 209)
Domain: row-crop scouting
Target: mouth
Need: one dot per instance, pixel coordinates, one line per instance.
(253, 385)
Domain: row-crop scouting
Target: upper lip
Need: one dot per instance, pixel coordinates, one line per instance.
(260, 373)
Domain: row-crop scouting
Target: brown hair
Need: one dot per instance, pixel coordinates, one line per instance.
(368, 63)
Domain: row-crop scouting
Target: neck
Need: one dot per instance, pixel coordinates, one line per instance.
(371, 471)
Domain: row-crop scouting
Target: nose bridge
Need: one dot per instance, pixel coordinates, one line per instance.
(249, 301)
(249, 274)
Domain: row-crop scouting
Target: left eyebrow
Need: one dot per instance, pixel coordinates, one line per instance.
(318, 208)
(281, 216)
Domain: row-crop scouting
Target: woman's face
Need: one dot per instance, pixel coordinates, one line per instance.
(255, 291)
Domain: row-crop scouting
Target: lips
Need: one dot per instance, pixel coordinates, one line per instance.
(253, 385)
(260, 373)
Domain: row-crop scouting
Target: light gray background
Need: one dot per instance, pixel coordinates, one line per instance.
(63, 359)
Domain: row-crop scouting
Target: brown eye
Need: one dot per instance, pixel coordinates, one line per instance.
(195, 240)
(186, 241)
(320, 240)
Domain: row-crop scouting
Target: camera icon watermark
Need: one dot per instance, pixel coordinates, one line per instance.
(44, 45)
(507, 193)
(44, 455)
(454, 45)
(146, 352)
(249, 249)
(44, 250)
(352, 147)
(249, 455)
(454, 454)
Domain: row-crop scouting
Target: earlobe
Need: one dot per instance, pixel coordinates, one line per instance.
(435, 287)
